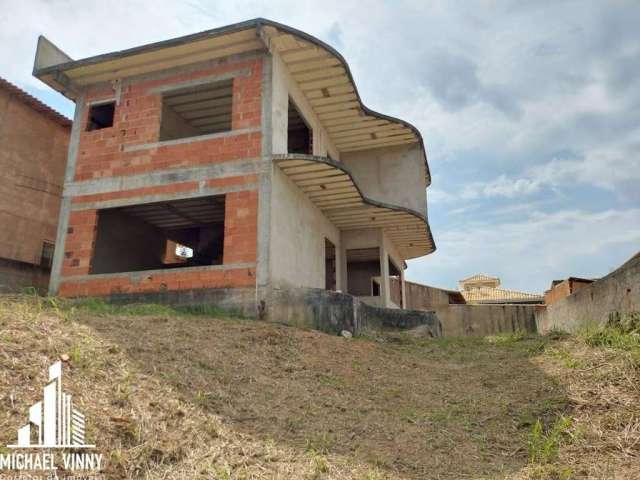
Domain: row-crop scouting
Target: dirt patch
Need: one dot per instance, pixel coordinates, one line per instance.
(175, 396)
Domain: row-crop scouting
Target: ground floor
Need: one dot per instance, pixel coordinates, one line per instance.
(236, 225)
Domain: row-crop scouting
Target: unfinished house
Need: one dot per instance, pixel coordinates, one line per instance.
(33, 154)
(237, 166)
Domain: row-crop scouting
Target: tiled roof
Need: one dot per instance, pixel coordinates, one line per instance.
(497, 295)
(34, 103)
(479, 276)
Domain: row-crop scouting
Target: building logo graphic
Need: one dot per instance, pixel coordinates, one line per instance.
(53, 422)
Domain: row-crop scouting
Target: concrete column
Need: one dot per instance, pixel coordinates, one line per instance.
(385, 291)
(342, 259)
(339, 266)
(65, 206)
(263, 267)
(402, 290)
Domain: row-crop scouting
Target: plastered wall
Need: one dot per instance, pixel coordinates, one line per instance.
(298, 230)
(283, 88)
(393, 175)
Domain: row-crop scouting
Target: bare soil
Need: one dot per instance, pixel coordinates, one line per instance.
(177, 396)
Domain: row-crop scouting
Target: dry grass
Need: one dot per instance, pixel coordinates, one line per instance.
(170, 395)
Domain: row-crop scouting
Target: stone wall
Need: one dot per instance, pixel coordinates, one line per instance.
(617, 293)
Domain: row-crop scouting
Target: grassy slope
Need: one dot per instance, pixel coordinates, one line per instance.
(175, 395)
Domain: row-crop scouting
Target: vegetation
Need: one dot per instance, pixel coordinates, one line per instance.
(176, 393)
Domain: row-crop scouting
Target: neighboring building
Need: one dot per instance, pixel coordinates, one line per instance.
(250, 145)
(33, 153)
(563, 288)
(484, 289)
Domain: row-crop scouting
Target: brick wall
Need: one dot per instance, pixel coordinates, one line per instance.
(104, 153)
(559, 291)
(32, 163)
(564, 289)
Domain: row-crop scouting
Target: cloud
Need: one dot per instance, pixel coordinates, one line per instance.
(528, 253)
(453, 81)
(519, 103)
(608, 170)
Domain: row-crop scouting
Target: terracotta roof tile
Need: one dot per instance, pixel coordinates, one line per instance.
(497, 295)
(34, 103)
(479, 276)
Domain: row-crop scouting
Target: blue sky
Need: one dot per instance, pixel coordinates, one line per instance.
(530, 111)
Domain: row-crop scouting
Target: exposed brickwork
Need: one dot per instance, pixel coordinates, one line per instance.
(78, 248)
(103, 153)
(137, 121)
(564, 289)
(155, 282)
(240, 247)
(241, 227)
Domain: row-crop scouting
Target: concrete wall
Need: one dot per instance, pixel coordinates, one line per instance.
(393, 175)
(173, 125)
(298, 230)
(480, 320)
(616, 294)
(422, 297)
(465, 320)
(359, 275)
(312, 308)
(33, 155)
(284, 86)
(126, 244)
(15, 276)
(333, 312)
(370, 238)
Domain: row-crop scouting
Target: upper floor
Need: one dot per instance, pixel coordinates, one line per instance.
(255, 90)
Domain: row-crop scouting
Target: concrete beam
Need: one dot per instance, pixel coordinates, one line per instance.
(233, 168)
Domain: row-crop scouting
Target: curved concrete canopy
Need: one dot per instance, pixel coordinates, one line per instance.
(332, 188)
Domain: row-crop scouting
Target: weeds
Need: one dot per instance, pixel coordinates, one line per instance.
(619, 333)
(544, 445)
(507, 338)
(320, 443)
(318, 462)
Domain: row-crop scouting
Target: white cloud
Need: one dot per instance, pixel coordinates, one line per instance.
(606, 169)
(527, 254)
(523, 81)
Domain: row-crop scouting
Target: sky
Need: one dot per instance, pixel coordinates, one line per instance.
(530, 111)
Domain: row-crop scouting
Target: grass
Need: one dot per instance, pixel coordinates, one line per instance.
(544, 445)
(174, 393)
(620, 333)
(97, 306)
